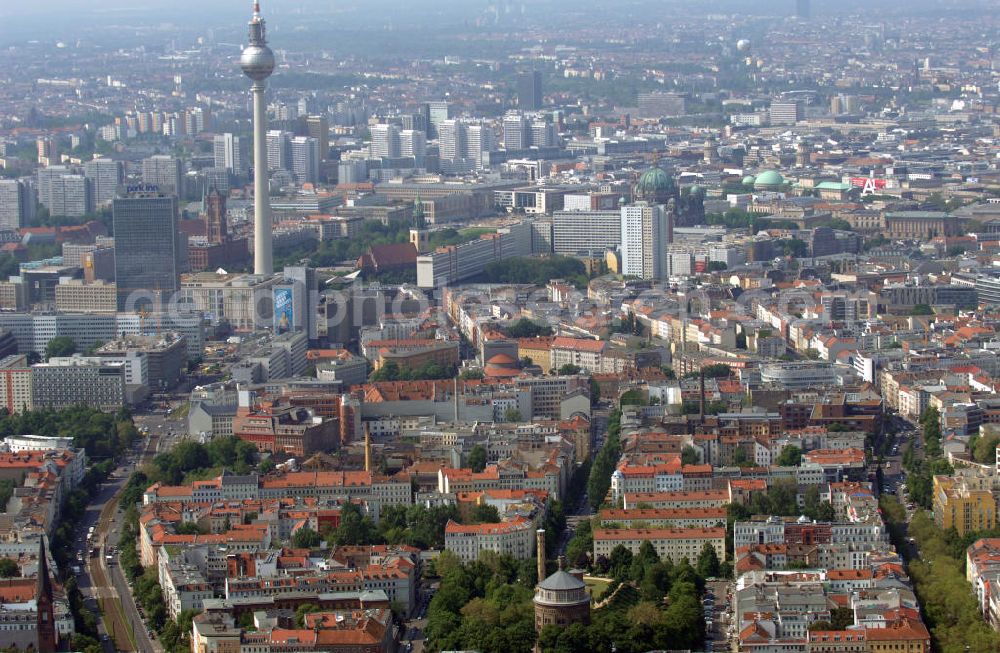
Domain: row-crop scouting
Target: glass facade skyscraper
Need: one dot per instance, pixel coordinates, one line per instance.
(147, 250)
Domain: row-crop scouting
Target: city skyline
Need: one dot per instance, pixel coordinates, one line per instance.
(508, 327)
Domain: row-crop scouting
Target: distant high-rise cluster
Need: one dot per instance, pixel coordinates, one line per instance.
(64, 192)
(105, 175)
(464, 146)
(166, 172)
(17, 203)
(529, 90)
(305, 159)
(231, 152)
(521, 133)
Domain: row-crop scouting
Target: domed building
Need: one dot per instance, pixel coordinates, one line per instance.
(769, 180)
(501, 365)
(561, 600)
(749, 180)
(655, 186)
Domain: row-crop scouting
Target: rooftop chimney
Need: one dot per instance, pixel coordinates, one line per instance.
(368, 448)
(701, 399)
(540, 550)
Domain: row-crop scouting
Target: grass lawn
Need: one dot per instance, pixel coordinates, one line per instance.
(596, 587)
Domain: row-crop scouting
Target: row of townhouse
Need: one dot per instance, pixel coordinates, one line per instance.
(374, 489)
(982, 570)
(673, 544)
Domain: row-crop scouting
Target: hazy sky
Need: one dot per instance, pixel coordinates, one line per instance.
(60, 19)
(220, 7)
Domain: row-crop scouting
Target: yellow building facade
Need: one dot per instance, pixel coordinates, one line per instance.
(964, 508)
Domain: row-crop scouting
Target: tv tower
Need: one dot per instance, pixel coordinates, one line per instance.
(257, 62)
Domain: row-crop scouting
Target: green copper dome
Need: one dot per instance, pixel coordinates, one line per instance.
(748, 180)
(654, 184)
(768, 179)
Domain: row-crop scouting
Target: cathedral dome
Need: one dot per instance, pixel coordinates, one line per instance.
(768, 180)
(655, 185)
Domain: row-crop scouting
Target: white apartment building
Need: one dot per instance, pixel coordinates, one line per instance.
(645, 234)
(514, 538)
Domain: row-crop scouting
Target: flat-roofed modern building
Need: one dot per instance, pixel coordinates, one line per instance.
(458, 262)
(77, 296)
(64, 382)
(166, 356)
(15, 383)
(799, 375)
(148, 252)
(586, 232)
(17, 204)
(105, 175)
(645, 233)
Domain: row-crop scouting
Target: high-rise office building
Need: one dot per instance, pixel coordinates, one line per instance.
(45, 178)
(318, 127)
(279, 150)
(196, 120)
(232, 153)
(17, 203)
(479, 142)
(529, 90)
(144, 123)
(301, 294)
(419, 120)
(385, 141)
(451, 140)
(516, 132)
(803, 8)
(787, 112)
(413, 142)
(352, 171)
(105, 176)
(306, 105)
(585, 232)
(165, 172)
(645, 234)
(217, 178)
(543, 134)
(285, 112)
(68, 195)
(305, 159)
(148, 255)
(48, 151)
(437, 112)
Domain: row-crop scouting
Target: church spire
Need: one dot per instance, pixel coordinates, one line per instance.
(43, 599)
(418, 213)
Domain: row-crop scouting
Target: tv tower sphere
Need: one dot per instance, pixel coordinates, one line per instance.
(743, 45)
(257, 60)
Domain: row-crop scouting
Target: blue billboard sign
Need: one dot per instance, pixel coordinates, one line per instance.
(283, 310)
